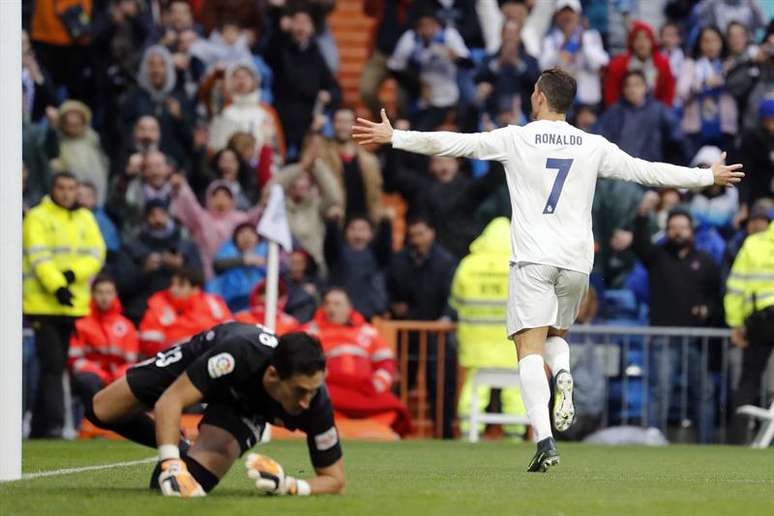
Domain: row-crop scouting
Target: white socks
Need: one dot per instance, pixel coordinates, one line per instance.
(557, 354)
(535, 393)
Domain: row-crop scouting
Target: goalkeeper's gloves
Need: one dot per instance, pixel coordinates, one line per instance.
(270, 478)
(175, 480)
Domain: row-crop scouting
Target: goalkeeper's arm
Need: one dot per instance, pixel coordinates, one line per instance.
(329, 480)
(270, 478)
(168, 409)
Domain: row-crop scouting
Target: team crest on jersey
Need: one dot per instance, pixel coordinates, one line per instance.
(327, 439)
(120, 329)
(220, 365)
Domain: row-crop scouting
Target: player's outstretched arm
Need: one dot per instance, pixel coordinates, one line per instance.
(492, 145)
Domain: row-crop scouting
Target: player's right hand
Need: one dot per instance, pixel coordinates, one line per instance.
(175, 480)
(726, 175)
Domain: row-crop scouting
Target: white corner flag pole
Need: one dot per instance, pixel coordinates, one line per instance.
(10, 241)
(274, 227)
(272, 280)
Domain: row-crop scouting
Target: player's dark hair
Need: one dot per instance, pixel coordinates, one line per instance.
(102, 277)
(559, 87)
(298, 353)
(192, 275)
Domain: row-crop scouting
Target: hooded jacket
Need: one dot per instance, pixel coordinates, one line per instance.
(662, 85)
(104, 344)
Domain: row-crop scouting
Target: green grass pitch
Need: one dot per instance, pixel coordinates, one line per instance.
(418, 477)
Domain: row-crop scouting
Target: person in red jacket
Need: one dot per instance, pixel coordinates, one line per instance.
(284, 323)
(642, 54)
(178, 313)
(104, 344)
(361, 366)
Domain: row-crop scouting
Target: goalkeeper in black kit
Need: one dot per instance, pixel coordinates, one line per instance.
(248, 378)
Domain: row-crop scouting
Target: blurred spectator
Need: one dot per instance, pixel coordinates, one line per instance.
(303, 283)
(585, 117)
(146, 178)
(534, 18)
(149, 259)
(392, 18)
(226, 165)
(692, 299)
(80, 152)
(756, 81)
(145, 138)
(361, 366)
(460, 15)
(256, 313)
(63, 251)
(259, 162)
(61, 35)
(642, 54)
(756, 152)
(245, 111)
(672, 47)
(40, 146)
(227, 45)
(319, 11)
(357, 259)
(104, 344)
(176, 18)
(425, 62)
(419, 278)
(87, 198)
(213, 13)
(156, 95)
(761, 213)
(507, 77)
(178, 313)
(479, 292)
(309, 195)
(749, 305)
(212, 226)
(641, 125)
(37, 90)
(302, 80)
(190, 68)
(740, 50)
(710, 113)
(713, 206)
(576, 50)
(356, 169)
(720, 13)
(239, 266)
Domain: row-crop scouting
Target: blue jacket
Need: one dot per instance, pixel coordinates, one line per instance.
(109, 232)
(235, 284)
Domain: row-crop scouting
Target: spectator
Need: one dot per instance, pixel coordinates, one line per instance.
(740, 51)
(256, 313)
(146, 178)
(213, 13)
(176, 18)
(40, 146)
(576, 50)
(721, 13)
(713, 206)
(245, 112)
(755, 83)
(190, 68)
(710, 114)
(156, 95)
(104, 344)
(508, 76)
(479, 292)
(672, 47)
(63, 251)
(87, 198)
(760, 216)
(585, 117)
(178, 313)
(756, 152)
(226, 165)
(149, 259)
(642, 54)
(239, 266)
(302, 80)
(356, 169)
(361, 367)
(37, 89)
(80, 152)
(691, 300)
(393, 18)
(749, 305)
(146, 137)
(212, 226)
(432, 54)
(309, 195)
(641, 125)
(319, 11)
(461, 15)
(303, 286)
(356, 260)
(228, 45)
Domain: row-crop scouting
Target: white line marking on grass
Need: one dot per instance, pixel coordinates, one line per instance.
(71, 471)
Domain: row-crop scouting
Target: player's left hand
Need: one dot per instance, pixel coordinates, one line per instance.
(366, 132)
(269, 476)
(175, 480)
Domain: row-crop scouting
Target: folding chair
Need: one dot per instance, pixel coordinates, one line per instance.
(766, 433)
(493, 378)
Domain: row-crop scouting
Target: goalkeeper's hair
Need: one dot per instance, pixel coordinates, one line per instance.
(298, 353)
(559, 87)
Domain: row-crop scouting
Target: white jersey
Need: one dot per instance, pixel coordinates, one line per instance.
(552, 170)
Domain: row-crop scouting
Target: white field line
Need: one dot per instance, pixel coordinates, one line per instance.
(71, 471)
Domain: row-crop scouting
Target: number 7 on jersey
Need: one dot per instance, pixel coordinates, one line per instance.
(563, 165)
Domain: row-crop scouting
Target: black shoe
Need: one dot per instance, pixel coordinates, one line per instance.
(545, 456)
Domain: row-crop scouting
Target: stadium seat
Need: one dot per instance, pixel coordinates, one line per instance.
(766, 432)
(494, 378)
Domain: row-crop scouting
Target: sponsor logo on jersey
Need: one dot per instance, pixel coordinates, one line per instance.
(327, 439)
(220, 365)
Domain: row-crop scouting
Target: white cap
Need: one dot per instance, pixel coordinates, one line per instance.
(575, 5)
(707, 155)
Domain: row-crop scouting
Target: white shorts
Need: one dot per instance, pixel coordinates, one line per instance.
(543, 295)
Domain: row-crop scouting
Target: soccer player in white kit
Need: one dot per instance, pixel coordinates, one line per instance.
(551, 169)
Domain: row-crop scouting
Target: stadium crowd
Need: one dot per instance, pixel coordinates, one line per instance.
(154, 129)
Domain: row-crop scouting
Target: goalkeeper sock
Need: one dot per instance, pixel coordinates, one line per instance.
(206, 478)
(536, 394)
(557, 354)
(140, 428)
